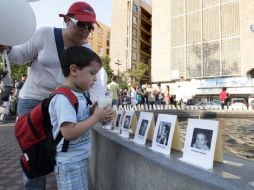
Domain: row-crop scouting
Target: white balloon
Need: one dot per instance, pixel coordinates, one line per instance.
(17, 23)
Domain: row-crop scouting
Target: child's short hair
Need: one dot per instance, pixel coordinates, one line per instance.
(79, 56)
(5, 98)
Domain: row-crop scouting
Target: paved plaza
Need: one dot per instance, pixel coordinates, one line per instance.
(10, 171)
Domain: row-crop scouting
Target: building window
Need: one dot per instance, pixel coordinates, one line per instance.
(135, 8)
(100, 31)
(100, 39)
(134, 56)
(108, 43)
(134, 32)
(135, 20)
(107, 52)
(134, 43)
(99, 50)
(108, 35)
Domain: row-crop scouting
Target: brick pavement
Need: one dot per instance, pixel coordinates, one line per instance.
(10, 171)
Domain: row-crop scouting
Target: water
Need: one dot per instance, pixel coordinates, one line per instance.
(237, 136)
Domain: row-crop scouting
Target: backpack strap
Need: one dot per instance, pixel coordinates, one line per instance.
(59, 42)
(88, 99)
(74, 101)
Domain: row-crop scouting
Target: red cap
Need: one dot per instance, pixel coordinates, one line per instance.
(82, 11)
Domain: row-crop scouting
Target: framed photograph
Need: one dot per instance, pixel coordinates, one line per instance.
(118, 121)
(126, 124)
(143, 126)
(200, 143)
(163, 133)
(202, 139)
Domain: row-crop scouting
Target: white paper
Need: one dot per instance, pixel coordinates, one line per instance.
(143, 126)
(126, 123)
(163, 133)
(200, 143)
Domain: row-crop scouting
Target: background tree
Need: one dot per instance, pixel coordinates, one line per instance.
(16, 70)
(106, 65)
(138, 73)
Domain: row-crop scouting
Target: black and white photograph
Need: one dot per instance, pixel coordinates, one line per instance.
(163, 133)
(127, 122)
(201, 139)
(143, 127)
(118, 120)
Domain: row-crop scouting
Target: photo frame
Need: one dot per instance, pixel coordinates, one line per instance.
(118, 121)
(143, 126)
(202, 140)
(126, 124)
(164, 133)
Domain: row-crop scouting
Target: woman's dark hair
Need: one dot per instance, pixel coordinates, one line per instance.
(79, 56)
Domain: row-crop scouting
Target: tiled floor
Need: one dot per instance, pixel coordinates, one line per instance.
(10, 171)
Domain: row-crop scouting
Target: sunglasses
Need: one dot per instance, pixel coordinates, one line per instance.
(82, 25)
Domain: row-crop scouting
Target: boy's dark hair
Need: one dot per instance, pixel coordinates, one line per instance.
(5, 98)
(79, 56)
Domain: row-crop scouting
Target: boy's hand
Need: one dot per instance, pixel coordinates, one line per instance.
(105, 114)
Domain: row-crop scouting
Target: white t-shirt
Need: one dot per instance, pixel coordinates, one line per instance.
(61, 110)
(45, 73)
(100, 85)
(6, 106)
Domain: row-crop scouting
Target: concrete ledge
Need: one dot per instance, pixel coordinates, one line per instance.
(118, 164)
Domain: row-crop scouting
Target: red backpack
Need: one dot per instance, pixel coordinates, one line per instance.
(34, 134)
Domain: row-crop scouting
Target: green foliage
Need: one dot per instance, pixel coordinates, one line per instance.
(138, 73)
(18, 70)
(106, 65)
(123, 80)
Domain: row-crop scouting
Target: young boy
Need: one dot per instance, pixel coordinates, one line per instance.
(201, 142)
(79, 66)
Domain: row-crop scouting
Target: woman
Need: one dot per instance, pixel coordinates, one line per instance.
(133, 95)
(167, 95)
(45, 73)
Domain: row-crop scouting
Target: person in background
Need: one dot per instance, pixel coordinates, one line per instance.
(6, 83)
(223, 96)
(45, 73)
(227, 100)
(167, 95)
(151, 97)
(145, 95)
(140, 96)
(133, 95)
(114, 89)
(6, 109)
(19, 84)
(158, 94)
